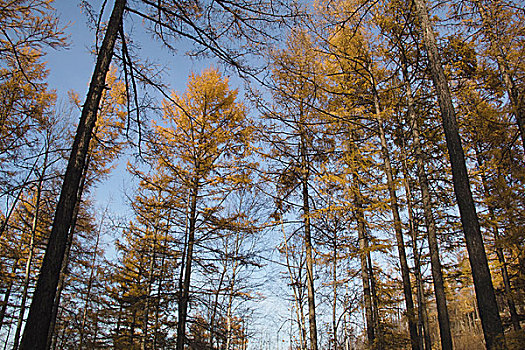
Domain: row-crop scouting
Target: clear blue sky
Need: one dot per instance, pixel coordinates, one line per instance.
(71, 68)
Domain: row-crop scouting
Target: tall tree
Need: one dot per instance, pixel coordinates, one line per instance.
(39, 318)
(200, 150)
(488, 307)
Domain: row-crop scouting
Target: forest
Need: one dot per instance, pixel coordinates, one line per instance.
(343, 175)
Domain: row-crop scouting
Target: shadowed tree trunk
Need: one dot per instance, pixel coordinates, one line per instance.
(39, 318)
(514, 317)
(405, 270)
(424, 335)
(308, 243)
(435, 262)
(185, 287)
(486, 298)
(29, 261)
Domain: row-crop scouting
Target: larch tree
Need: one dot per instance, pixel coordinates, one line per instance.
(487, 304)
(200, 148)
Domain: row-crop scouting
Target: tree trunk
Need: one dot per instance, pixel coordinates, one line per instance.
(51, 338)
(308, 244)
(405, 271)
(149, 288)
(514, 317)
(296, 285)
(29, 258)
(363, 253)
(39, 318)
(89, 287)
(425, 341)
(185, 292)
(435, 261)
(7, 293)
(334, 288)
(487, 305)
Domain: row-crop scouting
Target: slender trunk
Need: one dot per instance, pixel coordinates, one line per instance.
(334, 287)
(7, 293)
(425, 341)
(5, 222)
(89, 287)
(405, 271)
(216, 302)
(160, 286)
(39, 318)
(308, 244)
(29, 258)
(132, 329)
(365, 278)
(486, 298)
(296, 284)
(148, 289)
(230, 305)
(435, 261)
(514, 318)
(380, 340)
(185, 292)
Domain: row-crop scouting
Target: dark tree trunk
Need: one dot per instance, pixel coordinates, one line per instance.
(185, 291)
(39, 318)
(363, 253)
(435, 262)
(486, 298)
(65, 262)
(405, 270)
(308, 245)
(425, 341)
(514, 317)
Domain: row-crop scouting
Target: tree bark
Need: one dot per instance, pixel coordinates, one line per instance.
(29, 261)
(514, 317)
(405, 270)
(308, 244)
(425, 341)
(185, 292)
(39, 319)
(363, 253)
(486, 298)
(433, 245)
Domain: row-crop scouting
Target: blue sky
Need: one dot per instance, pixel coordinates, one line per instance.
(71, 68)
